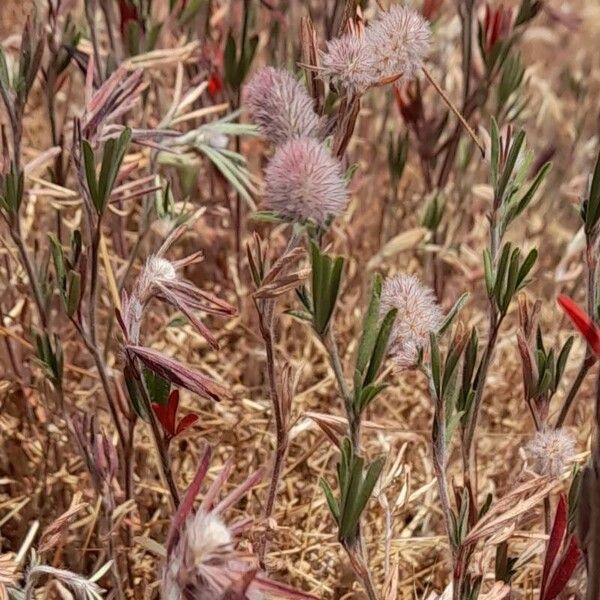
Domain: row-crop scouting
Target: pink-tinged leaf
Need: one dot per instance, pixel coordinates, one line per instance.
(202, 300)
(185, 423)
(178, 301)
(240, 491)
(187, 503)
(216, 486)
(564, 570)
(582, 322)
(179, 374)
(555, 541)
(281, 590)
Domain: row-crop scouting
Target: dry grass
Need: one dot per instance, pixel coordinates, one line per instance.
(41, 474)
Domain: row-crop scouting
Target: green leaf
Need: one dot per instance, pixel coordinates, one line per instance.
(501, 273)
(360, 495)
(593, 203)
(526, 267)
(302, 315)
(368, 394)
(134, 394)
(450, 368)
(73, 292)
(561, 362)
(158, 387)
(435, 365)
(4, 73)
(495, 151)
(381, 345)
(59, 262)
(511, 280)
(267, 216)
(112, 159)
(90, 171)
(528, 196)
(331, 501)
(230, 61)
(348, 510)
(488, 270)
(247, 57)
(369, 329)
(453, 313)
(334, 285)
(511, 160)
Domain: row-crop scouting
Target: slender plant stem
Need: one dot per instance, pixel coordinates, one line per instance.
(480, 381)
(280, 425)
(95, 270)
(455, 110)
(159, 441)
(586, 365)
(17, 238)
(359, 565)
(328, 340)
(590, 359)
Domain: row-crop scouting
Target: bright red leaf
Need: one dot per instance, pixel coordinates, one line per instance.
(167, 416)
(582, 321)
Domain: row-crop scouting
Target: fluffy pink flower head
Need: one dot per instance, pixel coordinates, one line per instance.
(418, 315)
(550, 451)
(303, 181)
(349, 64)
(280, 106)
(202, 560)
(397, 41)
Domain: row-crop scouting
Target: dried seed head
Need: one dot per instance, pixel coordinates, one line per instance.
(418, 315)
(349, 64)
(303, 181)
(280, 106)
(398, 41)
(550, 451)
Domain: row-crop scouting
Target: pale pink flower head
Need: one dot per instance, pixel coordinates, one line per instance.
(349, 65)
(418, 315)
(203, 562)
(304, 182)
(280, 106)
(550, 451)
(398, 41)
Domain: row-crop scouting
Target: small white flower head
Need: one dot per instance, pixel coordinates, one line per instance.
(157, 270)
(418, 315)
(280, 106)
(398, 41)
(160, 268)
(201, 559)
(550, 451)
(303, 181)
(349, 64)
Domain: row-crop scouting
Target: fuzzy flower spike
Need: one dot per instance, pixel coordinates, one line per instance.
(418, 315)
(393, 47)
(398, 41)
(304, 182)
(202, 560)
(280, 106)
(550, 451)
(349, 64)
